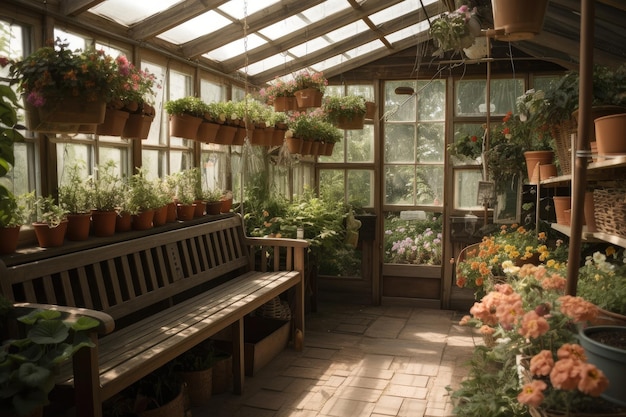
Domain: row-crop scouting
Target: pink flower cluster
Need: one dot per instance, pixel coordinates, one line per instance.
(570, 372)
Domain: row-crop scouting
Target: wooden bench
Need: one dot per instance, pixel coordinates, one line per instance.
(170, 291)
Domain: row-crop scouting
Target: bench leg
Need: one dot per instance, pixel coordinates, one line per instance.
(238, 356)
(87, 381)
(298, 317)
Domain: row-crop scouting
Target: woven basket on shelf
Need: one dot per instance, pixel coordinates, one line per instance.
(610, 209)
(562, 134)
(275, 309)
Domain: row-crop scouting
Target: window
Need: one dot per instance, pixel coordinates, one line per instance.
(414, 143)
(351, 178)
(15, 44)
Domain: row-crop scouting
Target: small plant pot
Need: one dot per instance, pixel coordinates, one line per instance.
(50, 237)
(185, 212)
(123, 222)
(8, 239)
(171, 212)
(160, 216)
(213, 207)
(103, 223)
(78, 226)
(143, 220)
(200, 208)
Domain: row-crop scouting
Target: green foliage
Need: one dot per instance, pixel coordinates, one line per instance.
(349, 107)
(46, 210)
(491, 387)
(312, 125)
(602, 280)
(466, 146)
(413, 241)
(142, 193)
(107, 187)
(451, 32)
(306, 79)
(75, 194)
(193, 106)
(28, 366)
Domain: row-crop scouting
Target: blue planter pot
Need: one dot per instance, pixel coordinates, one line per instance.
(609, 359)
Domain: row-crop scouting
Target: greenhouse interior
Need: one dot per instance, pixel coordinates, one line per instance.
(313, 208)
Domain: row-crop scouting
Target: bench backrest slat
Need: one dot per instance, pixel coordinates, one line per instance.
(125, 277)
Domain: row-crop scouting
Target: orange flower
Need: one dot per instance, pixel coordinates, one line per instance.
(541, 364)
(571, 351)
(533, 325)
(577, 308)
(592, 380)
(509, 312)
(464, 320)
(486, 330)
(532, 393)
(461, 281)
(565, 374)
(554, 282)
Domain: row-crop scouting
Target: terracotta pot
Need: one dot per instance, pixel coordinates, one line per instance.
(184, 126)
(137, 126)
(123, 222)
(171, 212)
(278, 138)
(114, 122)
(590, 219)
(213, 207)
(185, 212)
(200, 208)
(285, 104)
(160, 216)
(309, 97)
(294, 145)
(610, 137)
(519, 19)
(225, 135)
(328, 149)
(8, 239)
(547, 171)
(78, 226)
(532, 159)
(240, 136)
(226, 205)
(306, 147)
(354, 123)
(143, 220)
(50, 237)
(597, 112)
(68, 115)
(561, 204)
(370, 110)
(103, 223)
(207, 132)
(315, 147)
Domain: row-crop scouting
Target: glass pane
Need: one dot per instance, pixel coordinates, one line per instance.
(431, 100)
(303, 176)
(399, 184)
(154, 162)
(360, 144)
(119, 155)
(211, 92)
(430, 142)
(70, 154)
(332, 187)
(466, 188)
(366, 91)
(180, 160)
(159, 125)
(399, 107)
(545, 82)
(470, 96)
(361, 188)
(429, 185)
(399, 143)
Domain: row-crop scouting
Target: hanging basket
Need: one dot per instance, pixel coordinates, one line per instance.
(225, 135)
(68, 115)
(294, 145)
(114, 122)
(137, 126)
(309, 97)
(370, 110)
(184, 126)
(354, 123)
(285, 104)
(518, 19)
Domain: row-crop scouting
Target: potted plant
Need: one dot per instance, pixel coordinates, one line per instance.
(310, 87)
(185, 194)
(466, 149)
(280, 94)
(75, 198)
(213, 199)
(107, 191)
(159, 394)
(454, 31)
(195, 368)
(50, 221)
(345, 112)
(28, 365)
(64, 91)
(142, 200)
(185, 116)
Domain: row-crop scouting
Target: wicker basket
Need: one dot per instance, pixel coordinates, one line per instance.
(610, 209)
(562, 134)
(275, 309)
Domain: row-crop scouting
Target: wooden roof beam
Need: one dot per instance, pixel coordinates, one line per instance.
(76, 7)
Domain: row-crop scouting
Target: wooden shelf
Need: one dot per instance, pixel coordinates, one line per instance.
(586, 236)
(557, 181)
(612, 162)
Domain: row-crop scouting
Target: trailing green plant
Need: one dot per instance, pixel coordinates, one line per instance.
(186, 188)
(451, 30)
(75, 194)
(28, 366)
(307, 79)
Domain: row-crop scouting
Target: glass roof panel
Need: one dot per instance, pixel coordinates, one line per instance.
(237, 8)
(397, 10)
(275, 61)
(129, 12)
(235, 48)
(407, 32)
(203, 24)
(328, 39)
(342, 58)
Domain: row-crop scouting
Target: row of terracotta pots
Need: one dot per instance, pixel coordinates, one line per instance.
(127, 124)
(78, 227)
(309, 147)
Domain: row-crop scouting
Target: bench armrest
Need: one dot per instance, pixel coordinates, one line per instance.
(106, 326)
(285, 254)
(281, 242)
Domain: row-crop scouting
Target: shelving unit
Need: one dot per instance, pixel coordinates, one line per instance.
(595, 171)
